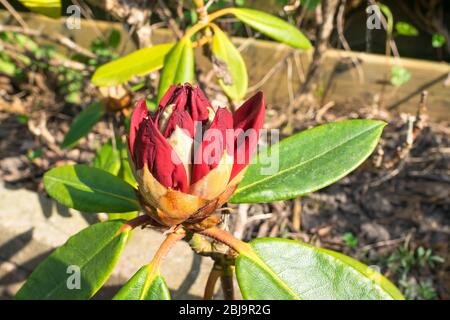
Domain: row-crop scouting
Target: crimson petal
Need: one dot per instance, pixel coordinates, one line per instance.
(152, 148)
(199, 104)
(215, 140)
(140, 112)
(182, 119)
(250, 116)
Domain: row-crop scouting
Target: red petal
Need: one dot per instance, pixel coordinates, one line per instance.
(140, 112)
(182, 119)
(177, 95)
(152, 148)
(165, 100)
(199, 104)
(186, 97)
(215, 140)
(250, 116)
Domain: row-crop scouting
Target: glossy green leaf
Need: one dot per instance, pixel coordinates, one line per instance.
(178, 66)
(406, 29)
(50, 8)
(308, 161)
(272, 27)
(123, 215)
(90, 189)
(287, 269)
(79, 268)
(146, 284)
(138, 63)
(83, 123)
(108, 158)
(125, 172)
(234, 81)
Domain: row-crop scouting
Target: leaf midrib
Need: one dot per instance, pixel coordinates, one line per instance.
(93, 189)
(260, 262)
(114, 72)
(302, 163)
(88, 260)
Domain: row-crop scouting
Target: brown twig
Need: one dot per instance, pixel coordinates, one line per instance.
(297, 214)
(214, 275)
(57, 61)
(164, 13)
(54, 37)
(415, 126)
(325, 18)
(14, 13)
(345, 45)
(325, 13)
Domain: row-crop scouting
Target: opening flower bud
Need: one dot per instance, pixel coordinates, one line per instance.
(189, 157)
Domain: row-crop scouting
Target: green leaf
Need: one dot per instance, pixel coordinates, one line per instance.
(389, 18)
(302, 271)
(146, 284)
(126, 173)
(406, 29)
(92, 252)
(82, 124)
(7, 67)
(108, 158)
(50, 8)
(272, 27)
(123, 215)
(308, 161)
(437, 40)
(138, 63)
(235, 81)
(399, 76)
(178, 66)
(114, 38)
(310, 4)
(90, 189)
(26, 42)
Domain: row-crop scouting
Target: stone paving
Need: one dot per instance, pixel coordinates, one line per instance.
(32, 225)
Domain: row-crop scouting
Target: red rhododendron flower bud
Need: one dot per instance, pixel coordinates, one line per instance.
(189, 157)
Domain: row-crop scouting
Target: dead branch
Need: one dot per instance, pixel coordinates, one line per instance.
(53, 37)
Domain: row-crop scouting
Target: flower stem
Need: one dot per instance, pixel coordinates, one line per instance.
(165, 247)
(136, 222)
(228, 239)
(214, 275)
(226, 279)
(204, 23)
